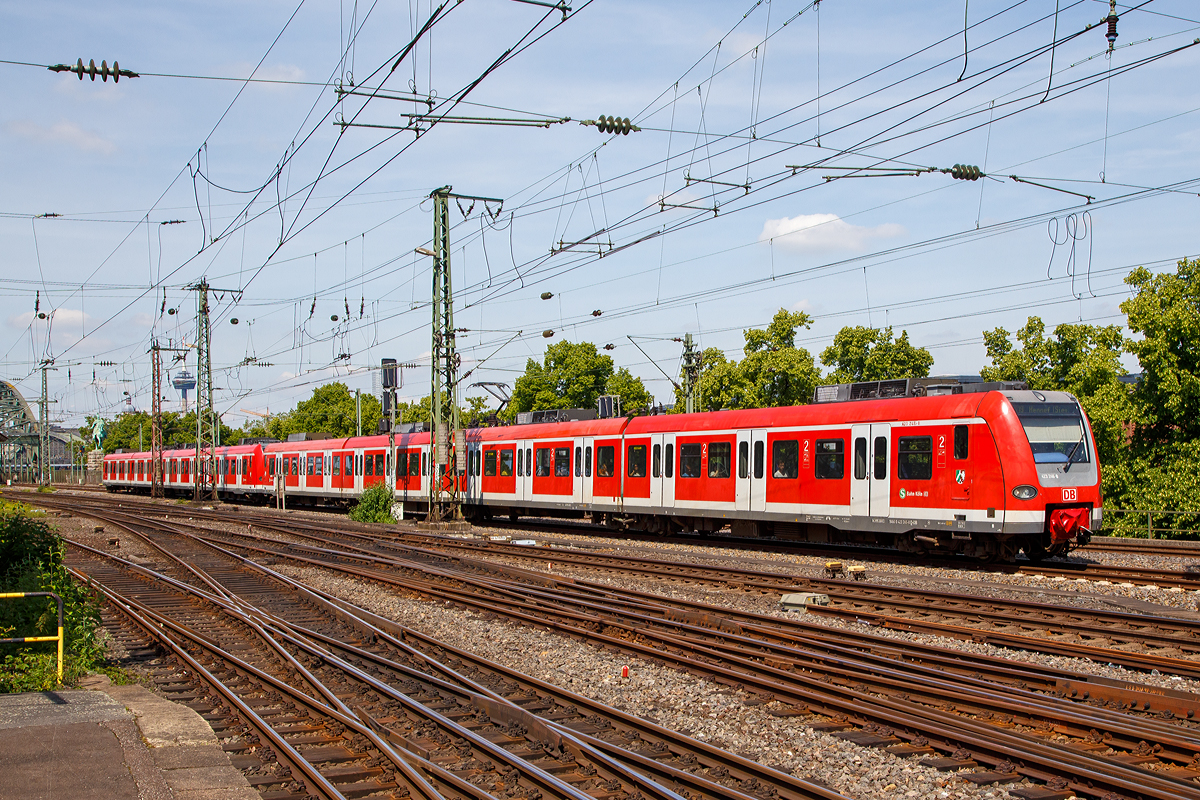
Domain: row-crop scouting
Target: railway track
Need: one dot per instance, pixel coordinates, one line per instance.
(1025, 726)
(519, 739)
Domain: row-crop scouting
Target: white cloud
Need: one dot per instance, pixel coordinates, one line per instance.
(824, 233)
(803, 305)
(67, 318)
(67, 133)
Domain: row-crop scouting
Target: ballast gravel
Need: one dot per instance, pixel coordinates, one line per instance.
(674, 699)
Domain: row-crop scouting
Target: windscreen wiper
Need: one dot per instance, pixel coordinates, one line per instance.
(1071, 455)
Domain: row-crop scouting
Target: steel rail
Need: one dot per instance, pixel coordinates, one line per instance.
(681, 777)
(949, 730)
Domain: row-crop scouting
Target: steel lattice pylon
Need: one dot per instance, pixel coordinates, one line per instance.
(206, 426)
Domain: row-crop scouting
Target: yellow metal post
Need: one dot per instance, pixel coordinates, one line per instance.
(32, 639)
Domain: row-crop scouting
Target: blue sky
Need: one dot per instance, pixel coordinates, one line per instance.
(727, 99)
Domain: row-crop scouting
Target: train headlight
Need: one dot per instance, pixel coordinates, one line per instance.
(1025, 492)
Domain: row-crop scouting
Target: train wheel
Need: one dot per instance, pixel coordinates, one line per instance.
(1033, 547)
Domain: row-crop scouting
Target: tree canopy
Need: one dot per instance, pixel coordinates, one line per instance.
(772, 372)
(123, 431)
(871, 354)
(574, 375)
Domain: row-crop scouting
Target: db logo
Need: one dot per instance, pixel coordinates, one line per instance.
(1069, 495)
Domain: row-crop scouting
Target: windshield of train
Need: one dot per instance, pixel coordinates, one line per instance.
(1055, 431)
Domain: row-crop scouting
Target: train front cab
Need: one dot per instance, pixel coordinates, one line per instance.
(1051, 472)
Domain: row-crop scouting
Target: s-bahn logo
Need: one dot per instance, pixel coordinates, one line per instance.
(901, 494)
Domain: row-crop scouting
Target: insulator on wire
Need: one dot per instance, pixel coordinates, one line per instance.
(547, 334)
(612, 124)
(233, 321)
(965, 172)
(333, 317)
(91, 70)
(610, 347)
(597, 313)
(1112, 34)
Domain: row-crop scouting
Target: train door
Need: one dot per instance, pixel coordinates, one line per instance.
(870, 478)
(758, 470)
(656, 470)
(524, 470)
(587, 458)
(667, 487)
(881, 479)
(577, 471)
(744, 482)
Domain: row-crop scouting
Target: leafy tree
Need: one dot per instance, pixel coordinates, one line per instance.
(573, 375)
(1160, 474)
(123, 431)
(1165, 315)
(1084, 360)
(871, 354)
(331, 409)
(774, 372)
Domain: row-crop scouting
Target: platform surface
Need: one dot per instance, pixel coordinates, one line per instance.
(112, 743)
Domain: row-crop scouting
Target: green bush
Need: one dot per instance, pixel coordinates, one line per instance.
(375, 505)
(31, 560)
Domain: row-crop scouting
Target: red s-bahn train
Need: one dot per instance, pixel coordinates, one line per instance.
(979, 470)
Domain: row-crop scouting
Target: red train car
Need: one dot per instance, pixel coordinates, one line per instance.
(982, 470)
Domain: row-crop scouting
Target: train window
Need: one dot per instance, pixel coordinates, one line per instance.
(605, 461)
(506, 463)
(578, 461)
(656, 461)
(759, 453)
(831, 458)
(270, 466)
(960, 441)
(545, 455)
(187, 470)
(915, 462)
(246, 465)
(785, 458)
(489, 464)
(414, 463)
(424, 463)
(670, 459)
(689, 461)
(520, 463)
(371, 465)
(743, 459)
(881, 457)
(587, 463)
(319, 463)
(401, 464)
(635, 461)
(860, 458)
(337, 465)
(528, 461)
(562, 462)
(719, 454)
(380, 464)
(308, 467)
